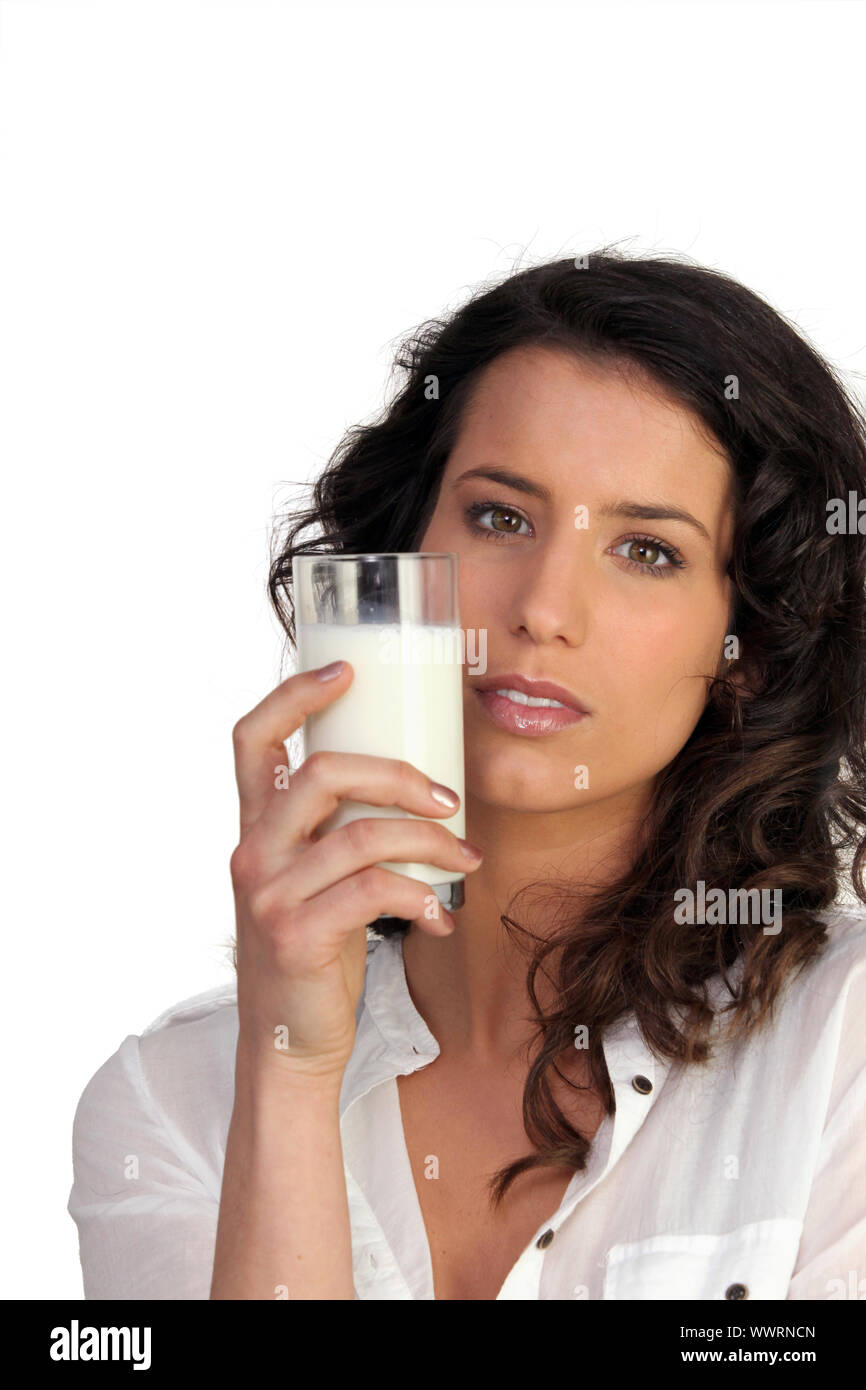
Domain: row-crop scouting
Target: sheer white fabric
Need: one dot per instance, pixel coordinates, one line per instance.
(750, 1171)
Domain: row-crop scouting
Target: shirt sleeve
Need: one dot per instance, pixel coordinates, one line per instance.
(146, 1221)
(831, 1261)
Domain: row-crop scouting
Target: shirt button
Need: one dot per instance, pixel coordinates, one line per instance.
(543, 1241)
(736, 1291)
(642, 1084)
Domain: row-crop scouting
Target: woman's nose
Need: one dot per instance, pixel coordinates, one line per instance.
(552, 592)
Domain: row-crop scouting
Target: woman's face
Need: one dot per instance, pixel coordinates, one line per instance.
(597, 607)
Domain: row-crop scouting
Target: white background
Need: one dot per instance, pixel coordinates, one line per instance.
(216, 221)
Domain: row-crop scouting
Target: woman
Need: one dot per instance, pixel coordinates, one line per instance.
(645, 1078)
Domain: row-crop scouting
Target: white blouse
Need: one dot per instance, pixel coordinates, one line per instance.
(742, 1178)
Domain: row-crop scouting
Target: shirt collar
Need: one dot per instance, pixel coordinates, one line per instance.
(392, 1039)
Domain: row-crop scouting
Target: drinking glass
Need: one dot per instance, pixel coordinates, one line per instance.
(395, 616)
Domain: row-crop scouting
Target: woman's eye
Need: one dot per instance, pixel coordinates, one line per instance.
(510, 518)
(645, 552)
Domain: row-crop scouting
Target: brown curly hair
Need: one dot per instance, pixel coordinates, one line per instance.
(769, 791)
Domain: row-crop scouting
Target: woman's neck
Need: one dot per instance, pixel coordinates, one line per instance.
(470, 987)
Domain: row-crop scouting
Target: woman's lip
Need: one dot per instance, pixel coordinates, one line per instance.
(532, 720)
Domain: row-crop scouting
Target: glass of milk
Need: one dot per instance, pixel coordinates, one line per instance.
(395, 616)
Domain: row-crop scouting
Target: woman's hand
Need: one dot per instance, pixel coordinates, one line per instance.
(302, 904)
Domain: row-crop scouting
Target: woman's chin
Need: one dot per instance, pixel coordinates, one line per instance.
(511, 784)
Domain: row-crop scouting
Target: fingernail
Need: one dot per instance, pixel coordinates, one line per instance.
(471, 851)
(444, 796)
(327, 673)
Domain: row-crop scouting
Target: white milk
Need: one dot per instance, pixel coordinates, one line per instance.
(405, 701)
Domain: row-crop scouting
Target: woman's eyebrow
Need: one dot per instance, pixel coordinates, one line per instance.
(638, 511)
(645, 511)
(509, 479)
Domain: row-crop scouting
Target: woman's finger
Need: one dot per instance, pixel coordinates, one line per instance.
(259, 737)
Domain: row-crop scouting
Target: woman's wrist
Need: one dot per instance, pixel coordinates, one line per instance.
(265, 1075)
